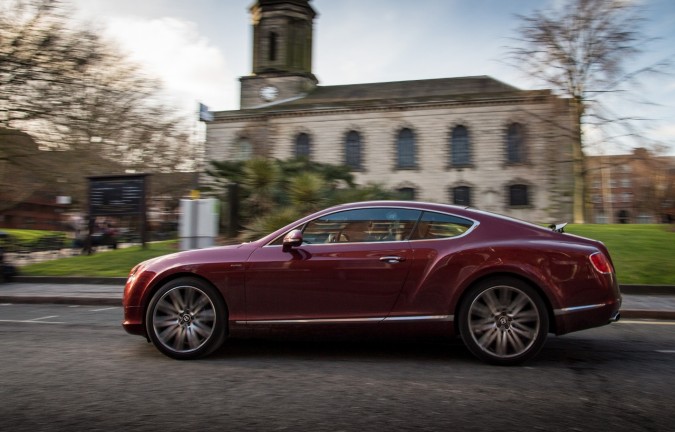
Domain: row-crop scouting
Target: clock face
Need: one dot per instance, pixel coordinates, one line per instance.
(269, 93)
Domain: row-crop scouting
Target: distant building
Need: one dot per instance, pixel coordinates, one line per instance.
(633, 188)
(468, 140)
(25, 201)
(40, 211)
(35, 193)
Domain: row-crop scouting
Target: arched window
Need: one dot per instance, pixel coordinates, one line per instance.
(519, 195)
(407, 193)
(461, 195)
(460, 150)
(302, 146)
(244, 151)
(273, 46)
(353, 150)
(405, 149)
(515, 143)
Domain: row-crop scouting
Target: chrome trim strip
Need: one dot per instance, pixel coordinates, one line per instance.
(568, 310)
(353, 320)
(422, 318)
(313, 321)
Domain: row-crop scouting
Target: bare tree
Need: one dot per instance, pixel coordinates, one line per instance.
(583, 51)
(115, 112)
(41, 58)
(88, 108)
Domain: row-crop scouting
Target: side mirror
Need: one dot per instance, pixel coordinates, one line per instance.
(292, 239)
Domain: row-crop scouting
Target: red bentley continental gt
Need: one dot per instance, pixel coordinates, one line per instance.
(388, 266)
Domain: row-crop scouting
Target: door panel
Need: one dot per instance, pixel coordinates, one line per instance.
(326, 281)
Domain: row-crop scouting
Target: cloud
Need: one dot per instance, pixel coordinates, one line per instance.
(349, 48)
(191, 67)
(665, 132)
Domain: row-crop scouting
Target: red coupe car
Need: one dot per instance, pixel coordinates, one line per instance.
(388, 266)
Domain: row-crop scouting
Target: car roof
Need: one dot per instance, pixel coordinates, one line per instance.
(399, 203)
(462, 211)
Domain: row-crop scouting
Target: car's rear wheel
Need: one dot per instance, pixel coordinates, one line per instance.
(503, 321)
(186, 318)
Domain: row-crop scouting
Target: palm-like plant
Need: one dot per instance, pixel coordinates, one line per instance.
(307, 191)
(270, 222)
(274, 193)
(261, 179)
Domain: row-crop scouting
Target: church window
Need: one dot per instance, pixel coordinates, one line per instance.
(460, 151)
(243, 150)
(519, 195)
(353, 150)
(407, 193)
(461, 195)
(302, 146)
(273, 46)
(405, 147)
(515, 144)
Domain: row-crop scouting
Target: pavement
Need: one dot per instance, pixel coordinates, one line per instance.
(639, 301)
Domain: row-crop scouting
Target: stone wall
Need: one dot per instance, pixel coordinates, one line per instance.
(546, 171)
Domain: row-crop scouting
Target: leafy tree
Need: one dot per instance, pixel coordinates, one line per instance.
(584, 51)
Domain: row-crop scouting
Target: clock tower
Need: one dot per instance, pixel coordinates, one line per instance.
(282, 52)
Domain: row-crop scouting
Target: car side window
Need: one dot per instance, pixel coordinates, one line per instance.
(362, 225)
(434, 225)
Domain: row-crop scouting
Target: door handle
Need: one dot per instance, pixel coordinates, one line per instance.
(392, 259)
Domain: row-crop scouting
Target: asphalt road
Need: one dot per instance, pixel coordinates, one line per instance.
(74, 368)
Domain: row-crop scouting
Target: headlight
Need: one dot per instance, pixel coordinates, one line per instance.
(132, 275)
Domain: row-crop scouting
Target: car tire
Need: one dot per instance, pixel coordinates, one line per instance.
(503, 321)
(186, 318)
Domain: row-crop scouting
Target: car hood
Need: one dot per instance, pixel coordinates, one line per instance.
(194, 257)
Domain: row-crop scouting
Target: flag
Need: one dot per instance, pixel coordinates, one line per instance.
(204, 113)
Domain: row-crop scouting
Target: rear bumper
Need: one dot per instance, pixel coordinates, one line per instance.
(587, 316)
(616, 317)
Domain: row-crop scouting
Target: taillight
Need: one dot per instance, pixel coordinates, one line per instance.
(601, 263)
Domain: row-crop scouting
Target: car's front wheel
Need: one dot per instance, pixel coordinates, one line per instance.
(186, 318)
(503, 321)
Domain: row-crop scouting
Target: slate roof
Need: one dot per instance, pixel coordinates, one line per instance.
(418, 89)
(391, 93)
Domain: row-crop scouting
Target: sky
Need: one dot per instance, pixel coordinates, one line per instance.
(200, 48)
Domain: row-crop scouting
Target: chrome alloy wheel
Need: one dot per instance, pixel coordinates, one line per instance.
(504, 322)
(183, 319)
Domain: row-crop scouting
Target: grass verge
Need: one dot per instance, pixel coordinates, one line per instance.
(113, 263)
(642, 254)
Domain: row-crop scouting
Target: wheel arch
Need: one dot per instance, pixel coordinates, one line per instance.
(158, 283)
(506, 274)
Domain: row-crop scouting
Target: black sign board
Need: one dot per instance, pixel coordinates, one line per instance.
(116, 195)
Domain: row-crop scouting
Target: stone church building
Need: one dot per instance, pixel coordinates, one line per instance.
(468, 140)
